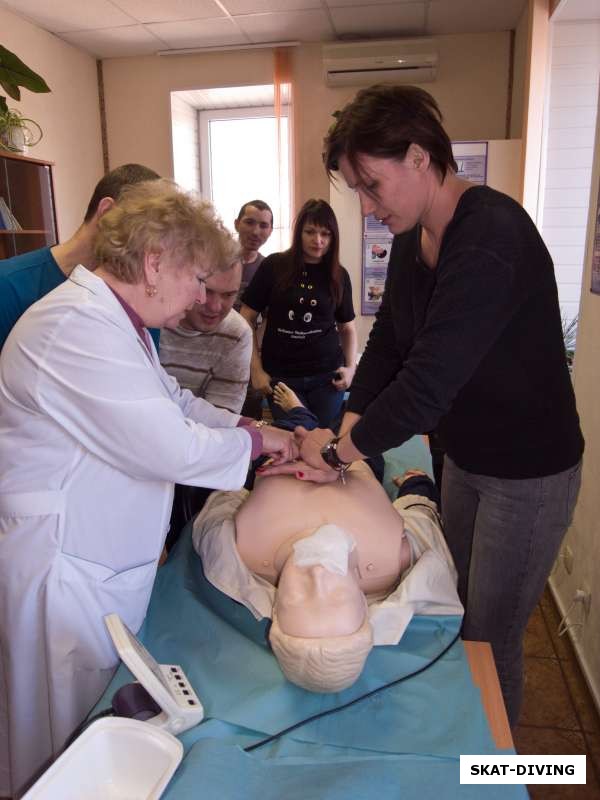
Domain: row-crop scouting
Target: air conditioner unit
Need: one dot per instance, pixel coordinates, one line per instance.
(385, 61)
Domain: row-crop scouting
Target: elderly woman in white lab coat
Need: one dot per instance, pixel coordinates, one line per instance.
(93, 435)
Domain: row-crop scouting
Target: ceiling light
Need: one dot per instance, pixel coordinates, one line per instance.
(186, 51)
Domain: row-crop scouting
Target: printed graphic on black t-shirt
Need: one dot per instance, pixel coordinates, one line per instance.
(301, 337)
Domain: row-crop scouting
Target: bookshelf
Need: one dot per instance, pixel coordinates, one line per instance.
(26, 190)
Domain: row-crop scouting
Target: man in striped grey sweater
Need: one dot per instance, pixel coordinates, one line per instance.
(209, 352)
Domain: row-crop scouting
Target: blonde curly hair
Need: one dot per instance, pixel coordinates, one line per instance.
(328, 664)
(158, 217)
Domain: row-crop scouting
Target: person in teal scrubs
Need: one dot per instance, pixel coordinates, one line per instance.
(26, 278)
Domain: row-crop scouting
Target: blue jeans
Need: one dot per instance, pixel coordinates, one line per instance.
(317, 393)
(289, 420)
(504, 536)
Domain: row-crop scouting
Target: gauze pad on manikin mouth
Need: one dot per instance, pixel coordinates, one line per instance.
(329, 546)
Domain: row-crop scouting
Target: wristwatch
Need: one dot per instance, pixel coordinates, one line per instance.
(330, 456)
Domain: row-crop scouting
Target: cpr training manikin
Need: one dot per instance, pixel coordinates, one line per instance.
(338, 568)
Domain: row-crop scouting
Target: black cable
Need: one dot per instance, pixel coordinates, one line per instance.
(352, 702)
(109, 712)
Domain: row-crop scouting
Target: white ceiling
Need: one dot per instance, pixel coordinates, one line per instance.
(113, 28)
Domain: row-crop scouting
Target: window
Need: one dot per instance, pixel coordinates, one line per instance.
(225, 146)
(239, 162)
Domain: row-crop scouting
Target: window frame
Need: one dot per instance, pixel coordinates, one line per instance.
(206, 116)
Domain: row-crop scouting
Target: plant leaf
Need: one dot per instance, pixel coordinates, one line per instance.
(20, 74)
(3, 106)
(10, 88)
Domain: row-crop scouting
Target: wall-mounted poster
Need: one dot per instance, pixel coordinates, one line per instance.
(596, 252)
(377, 243)
(471, 159)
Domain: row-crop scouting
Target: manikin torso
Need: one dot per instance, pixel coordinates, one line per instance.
(282, 509)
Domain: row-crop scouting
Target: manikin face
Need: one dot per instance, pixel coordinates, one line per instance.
(314, 603)
(221, 290)
(178, 287)
(254, 228)
(316, 241)
(395, 192)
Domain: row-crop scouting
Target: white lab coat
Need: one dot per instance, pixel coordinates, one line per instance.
(93, 434)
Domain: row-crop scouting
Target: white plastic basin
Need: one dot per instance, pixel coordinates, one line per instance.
(114, 759)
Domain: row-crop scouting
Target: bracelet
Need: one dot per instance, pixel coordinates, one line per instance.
(260, 423)
(330, 456)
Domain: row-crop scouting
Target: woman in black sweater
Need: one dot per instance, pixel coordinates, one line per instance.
(467, 341)
(310, 338)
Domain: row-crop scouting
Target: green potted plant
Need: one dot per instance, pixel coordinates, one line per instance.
(569, 327)
(16, 131)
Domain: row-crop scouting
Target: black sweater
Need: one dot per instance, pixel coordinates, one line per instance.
(472, 348)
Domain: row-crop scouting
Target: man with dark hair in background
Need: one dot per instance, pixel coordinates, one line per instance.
(254, 225)
(26, 278)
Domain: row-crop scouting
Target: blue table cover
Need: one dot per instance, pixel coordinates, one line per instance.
(403, 742)
(380, 747)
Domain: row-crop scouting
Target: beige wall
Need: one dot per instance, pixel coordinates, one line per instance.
(534, 98)
(138, 105)
(69, 115)
(584, 535)
(519, 65)
(504, 166)
(472, 89)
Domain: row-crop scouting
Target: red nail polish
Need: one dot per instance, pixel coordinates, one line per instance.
(300, 474)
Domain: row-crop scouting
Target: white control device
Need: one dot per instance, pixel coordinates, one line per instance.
(167, 684)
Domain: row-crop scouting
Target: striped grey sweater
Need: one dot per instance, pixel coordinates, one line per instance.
(215, 366)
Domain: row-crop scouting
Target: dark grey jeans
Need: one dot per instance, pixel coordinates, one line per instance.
(504, 536)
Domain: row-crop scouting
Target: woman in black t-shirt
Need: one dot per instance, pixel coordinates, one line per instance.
(310, 337)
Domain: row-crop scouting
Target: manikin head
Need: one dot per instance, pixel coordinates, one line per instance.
(320, 633)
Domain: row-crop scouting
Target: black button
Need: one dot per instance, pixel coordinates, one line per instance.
(192, 702)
